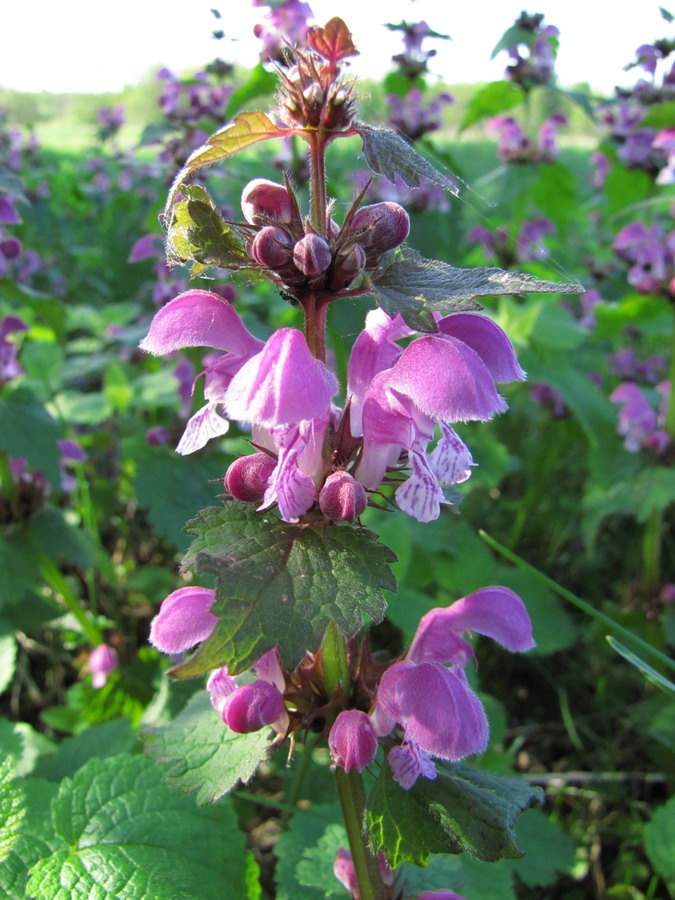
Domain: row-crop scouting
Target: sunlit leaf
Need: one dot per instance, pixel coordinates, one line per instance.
(390, 154)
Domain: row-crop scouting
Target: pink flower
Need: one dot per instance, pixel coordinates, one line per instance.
(184, 619)
(352, 740)
(102, 661)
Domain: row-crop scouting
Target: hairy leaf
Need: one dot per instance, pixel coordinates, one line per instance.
(416, 287)
(390, 154)
(281, 584)
(463, 809)
(124, 832)
(246, 129)
(36, 840)
(205, 755)
(198, 232)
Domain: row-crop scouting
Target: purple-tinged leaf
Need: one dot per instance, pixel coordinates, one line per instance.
(333, 41)
(417, 287)
(390, 154)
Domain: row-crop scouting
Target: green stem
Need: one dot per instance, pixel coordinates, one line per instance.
(609, 623)
(58, 583)
(334, 657)
(651, 552)
(353, 802)
(8, 484)
(317, 182)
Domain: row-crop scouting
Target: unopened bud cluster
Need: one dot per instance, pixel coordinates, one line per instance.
(303, 259)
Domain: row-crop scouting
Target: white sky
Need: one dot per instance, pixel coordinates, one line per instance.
(95, 46)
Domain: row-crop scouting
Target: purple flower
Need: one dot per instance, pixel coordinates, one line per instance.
(9, 365)
(203, 319)
(8, 212)
(433, 704)
(184, 619)
(252, 706)
(441, 894)
(443, 378)
(70, 452)
(102, 661)
(601, 168)
(652, 255)
(352, 740)
(639, 422)
(342, 498)
(344, 871)
(288, 25)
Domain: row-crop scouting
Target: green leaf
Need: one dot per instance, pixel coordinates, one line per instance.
(661, 115)
(28, 430)
(205, 755)
(198, 232)
(260, 83)
(315, 868)
(653, 489)
(471, 877)
(390, 154)
(548, 850)
(247, 128)
(127, 835)
(301, 834)
(200, 478)
(281, 584)
(511, 38)
(494, 98)
(648, 671)
(53, 536)
(416, 287)
(660, 841)
(462, 809)
(20, 741)
(12, 808)
(7, 655)
(36, 840)
(108, 739)
(10, 183)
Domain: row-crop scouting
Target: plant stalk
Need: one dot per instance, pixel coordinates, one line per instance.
(353, 802)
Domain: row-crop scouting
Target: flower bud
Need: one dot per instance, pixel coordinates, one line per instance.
(271, 248)
(312, 255)
(342, 498)
(381, 227)
(347, 265)
(262, 199)
(102, 661)
(352, 740)
(246, 479)
(252, 706)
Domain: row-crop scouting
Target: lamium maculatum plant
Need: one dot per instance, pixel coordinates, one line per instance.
(283, 632)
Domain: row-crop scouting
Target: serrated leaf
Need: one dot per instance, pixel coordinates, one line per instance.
(472, 877)
(463, 809)
(494, 98)
(417, 287)
(302, 832)
(315, 868)
(205, 755)
(12, 808)
(246, 129)
(198, 232)
(36, 840)
(281, 584)
(127, 835)
(390, 154)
